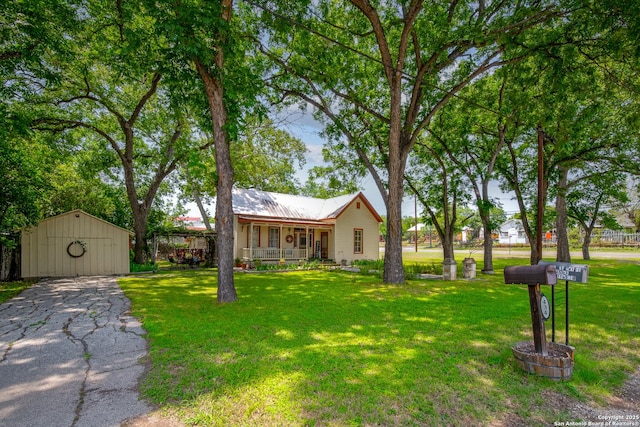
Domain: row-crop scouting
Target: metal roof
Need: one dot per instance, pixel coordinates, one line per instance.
(258, 203)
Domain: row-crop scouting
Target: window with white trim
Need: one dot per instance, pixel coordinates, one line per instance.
(274, 237)
(300, 238)
(256, 237)
(357, 240)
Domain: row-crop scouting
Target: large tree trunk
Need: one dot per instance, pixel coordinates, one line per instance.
(214, 89)
(563, 254)
(487, 245)
(397, 160)
(140, 249)
(447, 244)
(585, 245)
(393, 268)
(224, 206)
(138, 210)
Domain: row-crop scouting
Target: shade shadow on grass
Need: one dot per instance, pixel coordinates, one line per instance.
(333, 348)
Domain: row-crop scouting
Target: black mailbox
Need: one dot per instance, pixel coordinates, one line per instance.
(530, 275)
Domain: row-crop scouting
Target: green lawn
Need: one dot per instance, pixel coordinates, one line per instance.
(9, 290)
(340, 349)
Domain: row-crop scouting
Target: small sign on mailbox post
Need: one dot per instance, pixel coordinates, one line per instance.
(569, 273)
(545, 307)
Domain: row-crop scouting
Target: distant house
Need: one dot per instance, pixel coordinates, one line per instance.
(193, 223)
(273, 226)
(512, 232)
(412, 229)
(75, 244)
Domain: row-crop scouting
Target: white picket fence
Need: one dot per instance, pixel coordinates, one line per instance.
(617, 238)
(274, 253)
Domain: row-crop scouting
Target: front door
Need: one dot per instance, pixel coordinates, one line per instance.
(324, 245)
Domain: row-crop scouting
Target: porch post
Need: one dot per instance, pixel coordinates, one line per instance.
(280, 242)
(306, 239)
(251, 241)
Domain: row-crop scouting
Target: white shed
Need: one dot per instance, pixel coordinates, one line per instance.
(74, 244)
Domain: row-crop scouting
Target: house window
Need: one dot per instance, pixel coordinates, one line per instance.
(300, 239)
(357, 241)
(256, 237)
(274, 237)
(358, 205)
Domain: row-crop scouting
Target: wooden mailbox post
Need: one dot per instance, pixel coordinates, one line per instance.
(533, 276)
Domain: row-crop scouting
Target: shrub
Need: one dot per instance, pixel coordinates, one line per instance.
(137, 268)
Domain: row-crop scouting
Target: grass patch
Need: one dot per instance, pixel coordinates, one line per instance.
(139, 268)
(340, 348)
(9, 290)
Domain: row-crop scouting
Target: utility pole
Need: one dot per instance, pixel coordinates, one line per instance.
(415, 217)
(540, 192)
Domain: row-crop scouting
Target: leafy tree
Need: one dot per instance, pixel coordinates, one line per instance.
(34, 37)
(441, 188)
(128, 126)
(331, 181)
(383, 225)
(23, 181)
(581, 132)
(264, 157)
(31, 30)
(471, 130)
(202, 40)
(70, 189)
(407, 223)
(631, 208)
(586, 200)
(379, 73)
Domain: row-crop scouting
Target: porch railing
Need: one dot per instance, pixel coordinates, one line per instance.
(274, 253)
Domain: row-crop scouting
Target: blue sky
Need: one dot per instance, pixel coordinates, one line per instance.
(303, 126)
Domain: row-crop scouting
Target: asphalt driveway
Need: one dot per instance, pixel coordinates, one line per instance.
(70, 355)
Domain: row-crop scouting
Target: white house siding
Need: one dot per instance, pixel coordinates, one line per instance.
(337, 217)
(44, 247)
(350, 219)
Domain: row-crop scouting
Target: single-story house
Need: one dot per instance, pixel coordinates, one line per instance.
(512, 232)
(74, 244)
(272, 226)
(412, 229)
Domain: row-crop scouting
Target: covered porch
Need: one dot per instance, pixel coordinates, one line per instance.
(274, 240)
